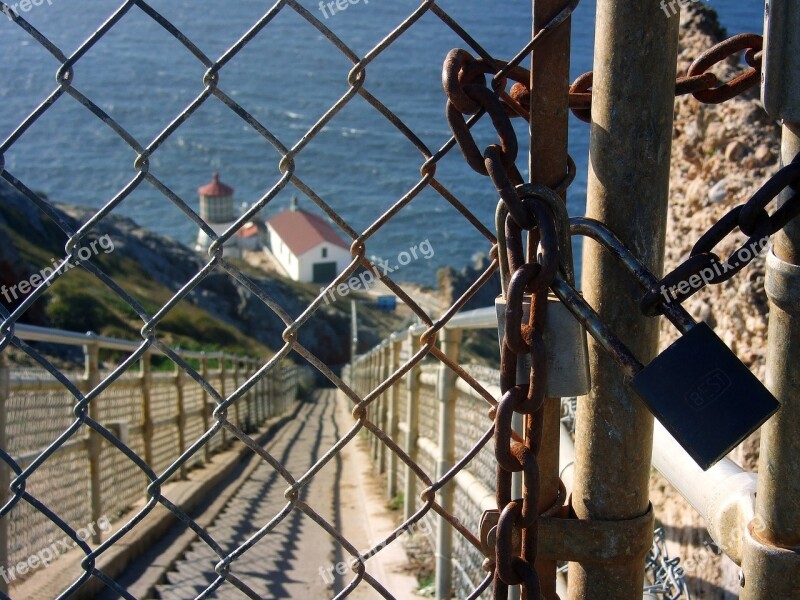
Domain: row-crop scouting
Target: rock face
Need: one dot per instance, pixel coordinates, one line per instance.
(721, 155)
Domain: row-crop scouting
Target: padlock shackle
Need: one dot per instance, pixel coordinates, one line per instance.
(502, 245)
(597, 231)
(596, 327)
(558, 207)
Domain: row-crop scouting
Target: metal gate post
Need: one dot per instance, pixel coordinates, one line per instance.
(771, 558)
(631, 137)
(549, 135)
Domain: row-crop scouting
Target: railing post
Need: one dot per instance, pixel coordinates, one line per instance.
(206, 409)
(146, 383)
(396, 345)
(5, 475)
(375, 370)
(412, 424)
(771, 558)
(383, 375)
(91, 381)
(222, 375)
(446, 395)
(180, 406)
(237, 405)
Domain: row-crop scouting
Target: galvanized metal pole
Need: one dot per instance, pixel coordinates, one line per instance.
(632, 113)
(771, 561)
(549, 136)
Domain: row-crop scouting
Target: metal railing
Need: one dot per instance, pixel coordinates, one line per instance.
(155, 414)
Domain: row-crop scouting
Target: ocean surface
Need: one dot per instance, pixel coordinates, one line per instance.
(288, 77)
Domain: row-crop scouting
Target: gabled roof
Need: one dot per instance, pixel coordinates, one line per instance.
(216, 189)
(302, 231)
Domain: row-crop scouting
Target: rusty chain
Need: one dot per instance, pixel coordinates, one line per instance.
(464, 82)
(699, 81)
(704, 267)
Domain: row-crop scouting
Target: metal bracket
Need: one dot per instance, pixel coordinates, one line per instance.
(590, 541)
(768, 571)
(564, 538)
(780, 90)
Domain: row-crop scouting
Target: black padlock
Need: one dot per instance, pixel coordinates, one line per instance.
(697, 388)
(704, 396)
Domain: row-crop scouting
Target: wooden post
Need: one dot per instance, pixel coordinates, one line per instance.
(91, 381)
(146, 383)
(180, 406)
(412, 433)
(446, 395)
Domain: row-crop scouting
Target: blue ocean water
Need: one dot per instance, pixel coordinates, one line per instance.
(287, 77)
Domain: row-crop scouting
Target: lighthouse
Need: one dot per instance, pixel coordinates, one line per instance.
(216, 209)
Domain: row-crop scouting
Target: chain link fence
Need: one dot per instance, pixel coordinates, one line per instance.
(81, 415)
(434, 478)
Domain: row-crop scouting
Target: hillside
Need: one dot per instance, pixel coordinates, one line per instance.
(218, 314)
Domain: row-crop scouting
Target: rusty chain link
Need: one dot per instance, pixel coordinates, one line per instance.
(464, 82)
(699, 81)
(704, 267)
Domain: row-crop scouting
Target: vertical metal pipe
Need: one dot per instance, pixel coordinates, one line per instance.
(412, 432)
(778, 499)
(549, 136)
(631, 136)
(5, 474)
(91, 381)
(771, 560)
(446, 394)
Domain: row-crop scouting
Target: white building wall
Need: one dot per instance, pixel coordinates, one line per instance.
(336, 254)
(281, 252)
(302, 268)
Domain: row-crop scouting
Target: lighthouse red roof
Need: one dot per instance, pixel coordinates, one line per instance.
(215, 189)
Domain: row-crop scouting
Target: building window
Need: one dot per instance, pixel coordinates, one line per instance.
(324, 253)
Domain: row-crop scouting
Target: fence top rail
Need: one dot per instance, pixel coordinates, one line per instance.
(32, 333)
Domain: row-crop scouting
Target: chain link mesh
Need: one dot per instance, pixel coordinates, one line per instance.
(29, 507)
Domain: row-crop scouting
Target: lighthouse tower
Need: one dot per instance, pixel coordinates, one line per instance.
(216, 209)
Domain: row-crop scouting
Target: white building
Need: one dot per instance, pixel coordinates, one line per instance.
(308, 247)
